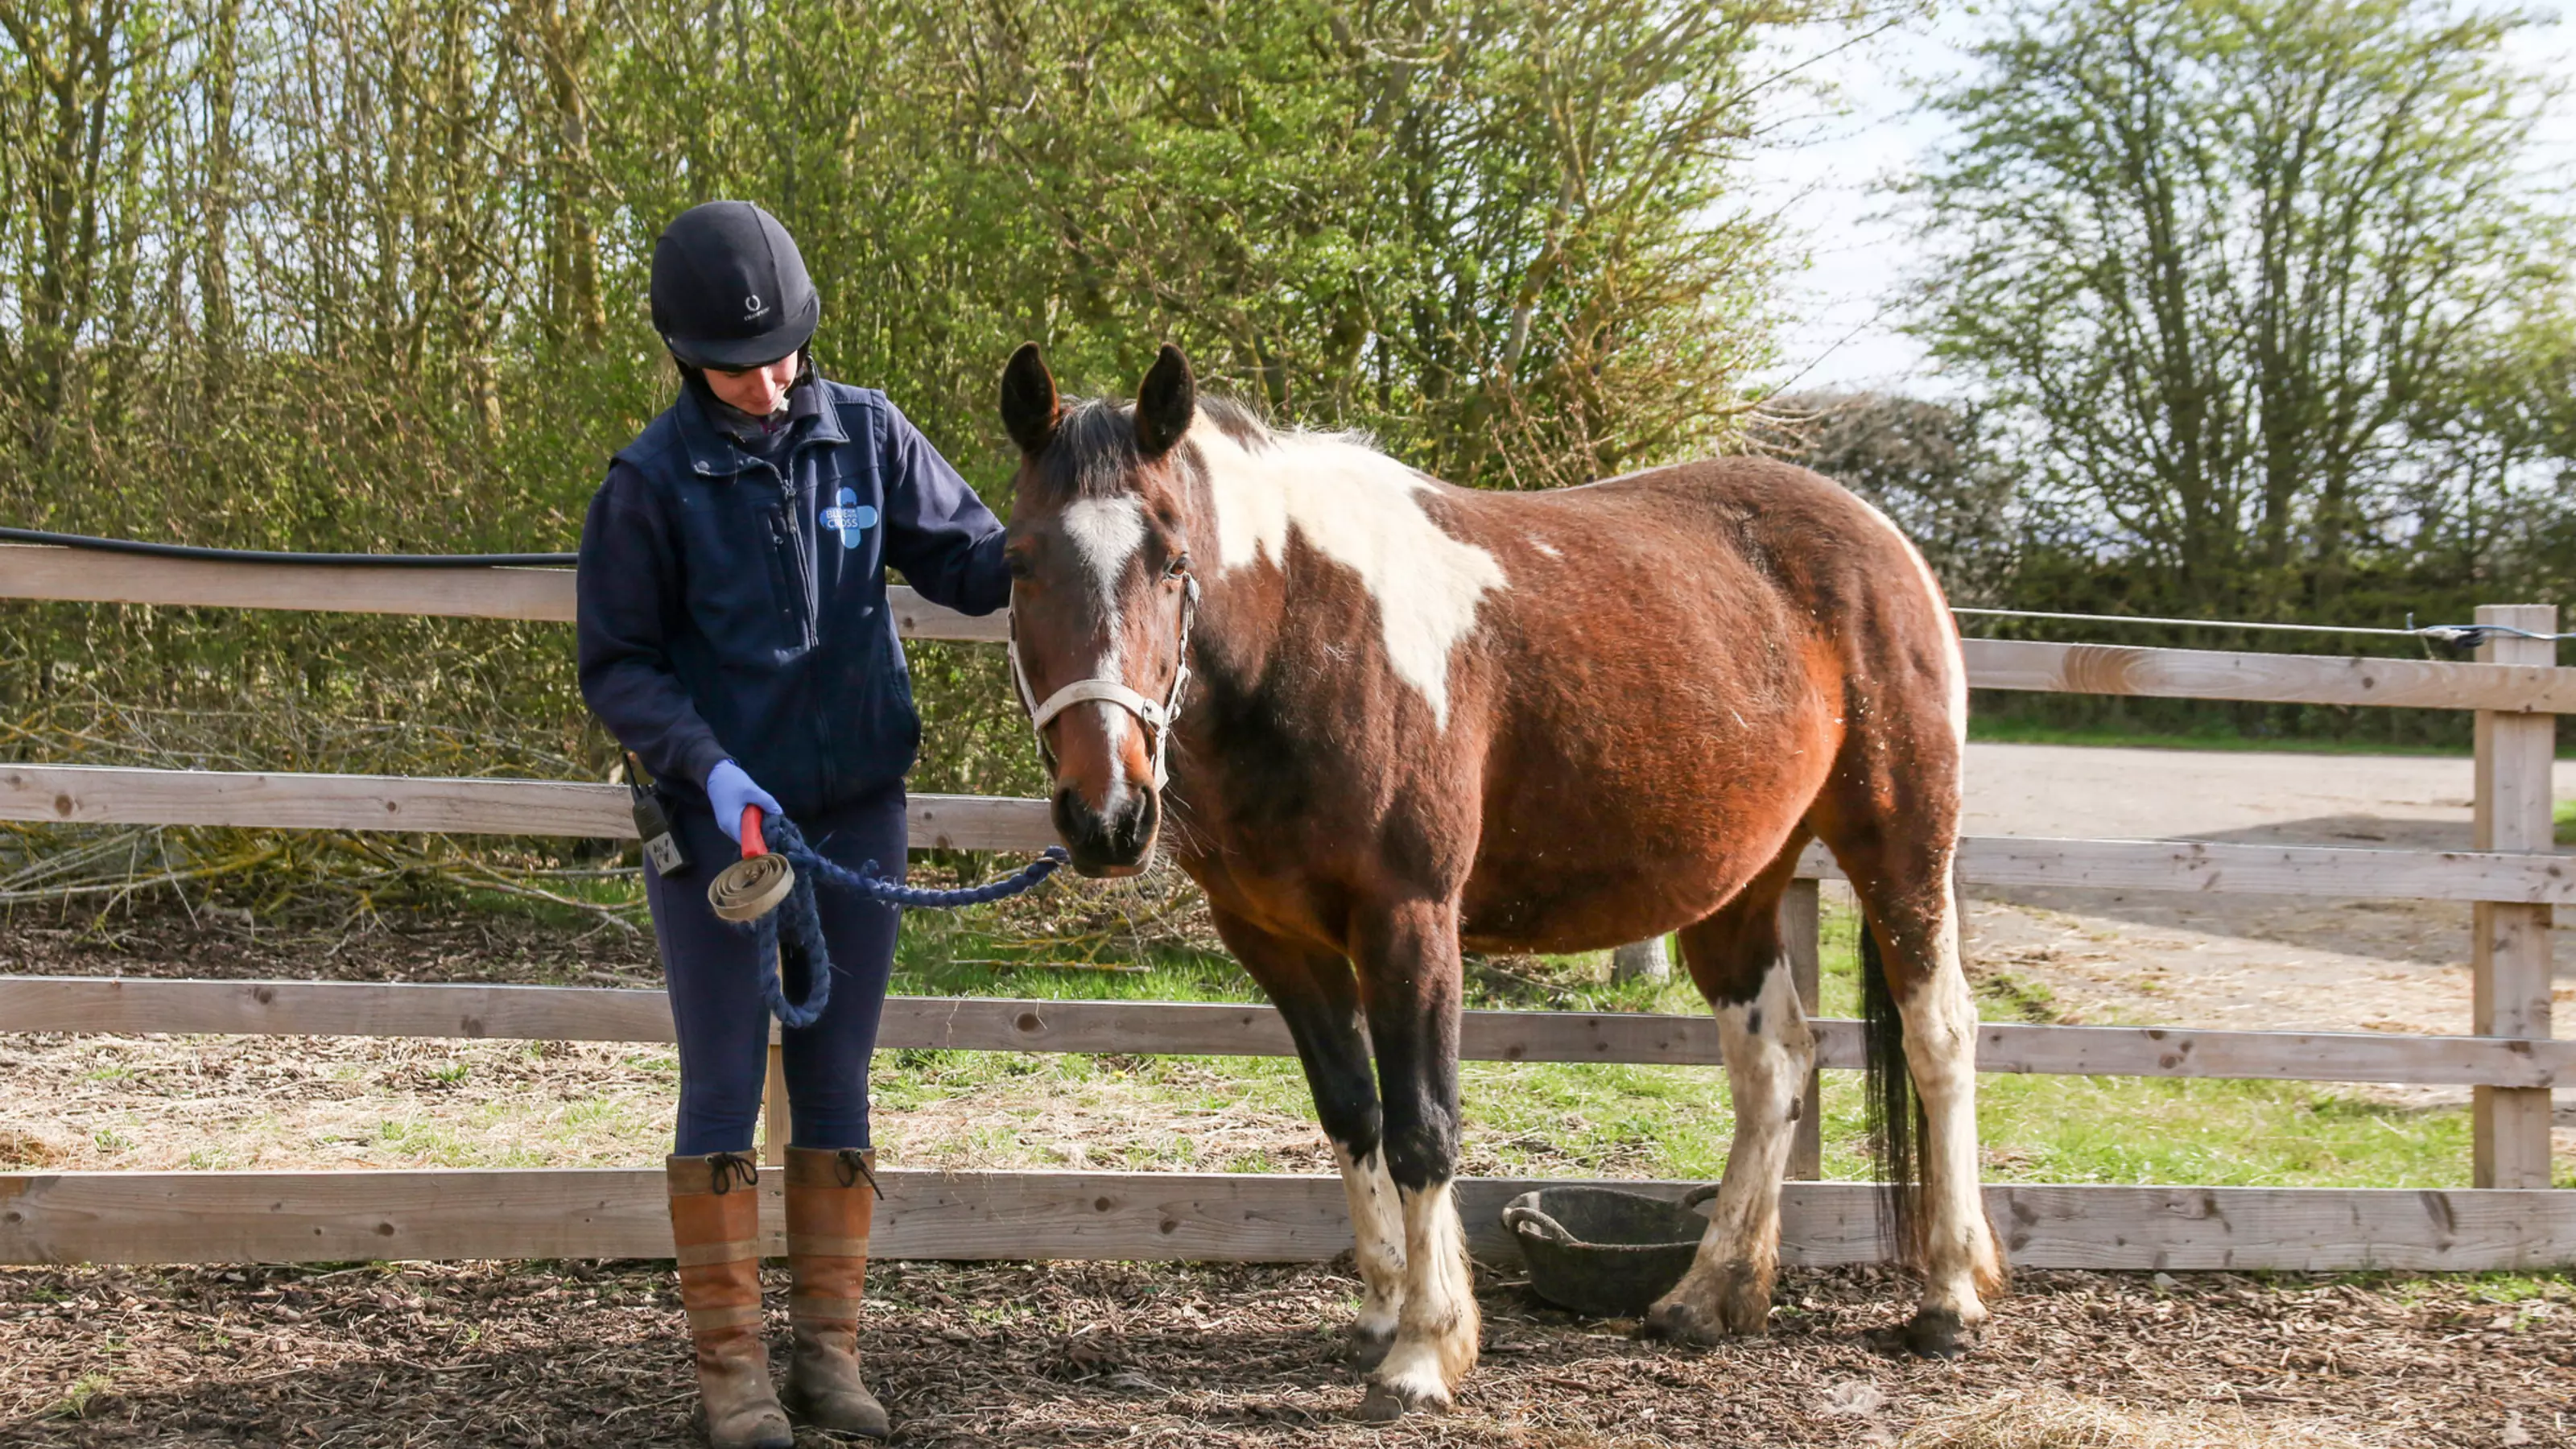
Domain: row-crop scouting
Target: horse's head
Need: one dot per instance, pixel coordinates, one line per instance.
(1101, 597)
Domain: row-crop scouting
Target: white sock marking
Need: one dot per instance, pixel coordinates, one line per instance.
(1941, 1049)
(1437, 1329)
(1766, 1073)
(1377, 1230)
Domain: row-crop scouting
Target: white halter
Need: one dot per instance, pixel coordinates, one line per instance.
(1157, 718)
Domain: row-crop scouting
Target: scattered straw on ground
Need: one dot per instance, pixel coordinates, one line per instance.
(2054, 1418)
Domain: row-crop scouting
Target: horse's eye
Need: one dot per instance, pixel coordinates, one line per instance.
(1179, 565)
(1019, 567)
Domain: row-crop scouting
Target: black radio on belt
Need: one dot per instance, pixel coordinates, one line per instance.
(653, 822)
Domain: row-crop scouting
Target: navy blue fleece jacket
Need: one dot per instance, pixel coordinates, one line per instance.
(735, 606)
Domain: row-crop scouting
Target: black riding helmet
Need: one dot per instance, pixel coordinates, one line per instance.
(729, 289)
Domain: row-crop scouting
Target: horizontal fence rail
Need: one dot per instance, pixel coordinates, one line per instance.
(534, 595)
(2509, 1223)
(114, 795)
(284, 1217)
(34, 571)
(999, 1024)
(111, 795)
(2268, 678)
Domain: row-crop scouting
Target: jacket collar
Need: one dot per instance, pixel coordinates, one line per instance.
(713, 452)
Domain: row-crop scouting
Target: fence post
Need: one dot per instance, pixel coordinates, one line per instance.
(773, 1106)
(1645, 960)
(2511, 952)
(1800, 927)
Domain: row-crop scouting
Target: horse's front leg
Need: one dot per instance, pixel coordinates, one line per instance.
(1319, 999)
(1408, 954)
(1735, 957)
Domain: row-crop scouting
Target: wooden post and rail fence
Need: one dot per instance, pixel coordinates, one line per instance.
(2510, 1218)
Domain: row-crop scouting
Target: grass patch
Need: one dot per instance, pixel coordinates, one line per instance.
(2215, 736)
(2566, 822)
(520, 1106)
(76, 1399)
(1539, 1119)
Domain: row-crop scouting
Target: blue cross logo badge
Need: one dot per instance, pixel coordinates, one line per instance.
(850, 518)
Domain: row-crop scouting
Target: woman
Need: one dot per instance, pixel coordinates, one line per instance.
(735, 636)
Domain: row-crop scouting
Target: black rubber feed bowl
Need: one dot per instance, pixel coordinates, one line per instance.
(1602, 1252)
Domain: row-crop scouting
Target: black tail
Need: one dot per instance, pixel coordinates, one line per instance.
(1896, 1125)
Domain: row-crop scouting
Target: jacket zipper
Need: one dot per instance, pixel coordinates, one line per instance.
(790, 536)
(807, 583)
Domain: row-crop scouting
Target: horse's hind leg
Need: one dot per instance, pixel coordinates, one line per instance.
(1736, 958)
(1319, 998)
(1894, 831)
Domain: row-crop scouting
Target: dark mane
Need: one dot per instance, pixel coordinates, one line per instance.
(1094, 453)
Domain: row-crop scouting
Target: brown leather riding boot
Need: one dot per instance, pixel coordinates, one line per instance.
(715, 1225)
(831, 1203)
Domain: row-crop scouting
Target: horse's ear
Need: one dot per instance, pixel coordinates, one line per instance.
(1166, 402)
(1029, 406)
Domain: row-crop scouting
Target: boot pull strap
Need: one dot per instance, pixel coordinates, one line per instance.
(853, 1165)
(729, 1170)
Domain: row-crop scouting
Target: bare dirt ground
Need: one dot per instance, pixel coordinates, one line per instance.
(2242, 962)
(2250, 962)
(446, 1356)
(592, 1354)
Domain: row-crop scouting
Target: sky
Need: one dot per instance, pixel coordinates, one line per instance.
(1828, 180)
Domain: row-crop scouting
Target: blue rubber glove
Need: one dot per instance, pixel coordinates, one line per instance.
(728, 790)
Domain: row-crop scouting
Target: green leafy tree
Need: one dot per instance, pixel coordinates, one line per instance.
(2229, 265)
(354, 274)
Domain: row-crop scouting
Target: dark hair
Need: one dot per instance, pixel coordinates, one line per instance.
(695, 378)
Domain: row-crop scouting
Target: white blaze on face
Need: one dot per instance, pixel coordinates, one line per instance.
(1105, 534)
(1363, 510)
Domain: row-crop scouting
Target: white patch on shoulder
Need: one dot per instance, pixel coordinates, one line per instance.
(1363, 510)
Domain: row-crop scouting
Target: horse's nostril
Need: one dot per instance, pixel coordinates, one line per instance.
(1117, 837)
(1134, 828)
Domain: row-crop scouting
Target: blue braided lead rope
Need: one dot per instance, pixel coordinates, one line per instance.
(802, 923)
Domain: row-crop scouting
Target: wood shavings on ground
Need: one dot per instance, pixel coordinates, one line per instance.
(592, 1354)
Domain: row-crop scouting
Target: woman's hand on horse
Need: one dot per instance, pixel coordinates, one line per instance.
(729, 790)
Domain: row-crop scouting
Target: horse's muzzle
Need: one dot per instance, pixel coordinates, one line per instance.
(1111, 842)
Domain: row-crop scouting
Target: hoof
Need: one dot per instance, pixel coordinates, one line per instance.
(1936, 1333)
(1673, 1321)
(1384, 1405)
(1739, 1314)
(1367, 1350)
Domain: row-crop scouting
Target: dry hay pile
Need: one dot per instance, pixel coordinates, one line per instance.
(2054, 1418)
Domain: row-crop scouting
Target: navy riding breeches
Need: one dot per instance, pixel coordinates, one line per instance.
(713, 971)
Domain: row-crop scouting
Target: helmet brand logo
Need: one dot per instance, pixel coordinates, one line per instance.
(752, 306)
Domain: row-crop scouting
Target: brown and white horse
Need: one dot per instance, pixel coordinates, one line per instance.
(1418, 717)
